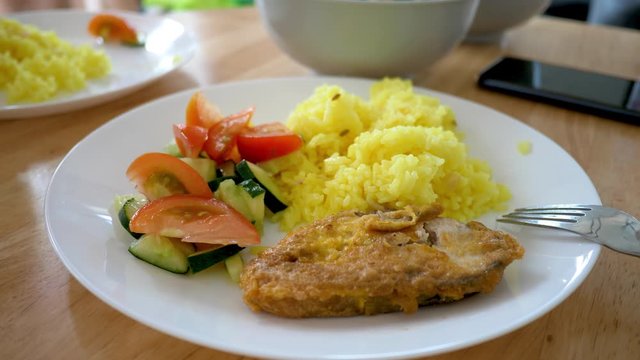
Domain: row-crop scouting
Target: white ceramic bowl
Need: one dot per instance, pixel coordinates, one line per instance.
(367, 38)
(494, 17)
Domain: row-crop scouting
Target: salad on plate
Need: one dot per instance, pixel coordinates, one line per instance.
(204, 199)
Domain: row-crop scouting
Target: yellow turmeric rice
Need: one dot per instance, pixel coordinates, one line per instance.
(395, 149)
(36, 65)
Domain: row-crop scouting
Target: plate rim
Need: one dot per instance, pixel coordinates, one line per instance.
(550, 305)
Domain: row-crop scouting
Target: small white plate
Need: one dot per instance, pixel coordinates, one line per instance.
(168, 46)
(207, 308)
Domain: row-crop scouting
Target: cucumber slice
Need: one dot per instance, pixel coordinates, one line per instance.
(128, 208)
(247, 199)
(253, 188)
(234, 265)
(119, 200)
(255, 204)
(226, 171)
(161, 251)
(204, 259)
(215, 183)
(185, 247)
(273, 197)
(205, 167)
(173, 149)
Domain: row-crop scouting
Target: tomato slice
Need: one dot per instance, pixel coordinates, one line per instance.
(157, 175)
(195, 219)
(201, 112)
(267, 141)
(190, 139)
(112, 28)
(221, 140)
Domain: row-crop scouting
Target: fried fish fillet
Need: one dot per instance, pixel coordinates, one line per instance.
(357, 263)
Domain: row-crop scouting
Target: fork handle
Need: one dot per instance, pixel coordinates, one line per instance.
(624, 238)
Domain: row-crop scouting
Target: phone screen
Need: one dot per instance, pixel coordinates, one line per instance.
(596, 93)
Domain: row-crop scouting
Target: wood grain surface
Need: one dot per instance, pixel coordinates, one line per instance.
(46, 314)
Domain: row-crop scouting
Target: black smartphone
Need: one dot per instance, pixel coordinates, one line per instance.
(589, 92)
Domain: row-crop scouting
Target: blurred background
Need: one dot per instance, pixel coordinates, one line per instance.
(623, 13)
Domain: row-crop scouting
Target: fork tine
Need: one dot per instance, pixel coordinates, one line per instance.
(578, 213)
(559, 216)
(562, 217)
(538, 223)
(574, 207)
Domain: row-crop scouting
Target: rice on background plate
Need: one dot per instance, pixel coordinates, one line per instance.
(37, 65)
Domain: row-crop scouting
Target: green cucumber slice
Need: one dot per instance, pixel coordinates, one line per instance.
(215, 183)
(201, 260)
(252, 188)
(128, 208)
(172, 149)
(234, 265)
(273, 196)
(161, 251)
(205, 167)
(247, 199)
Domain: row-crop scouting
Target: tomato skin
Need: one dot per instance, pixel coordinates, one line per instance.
(222, 137)
(162, 166)
(190, 139)
(201, 112)
(112, 28)
(267, 141)
(195, 219)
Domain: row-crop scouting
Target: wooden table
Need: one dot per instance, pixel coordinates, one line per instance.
(46, 314)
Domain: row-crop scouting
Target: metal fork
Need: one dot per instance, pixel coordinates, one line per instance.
(610, 227)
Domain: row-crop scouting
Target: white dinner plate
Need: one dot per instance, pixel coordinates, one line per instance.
(168, 46)
(207, 308)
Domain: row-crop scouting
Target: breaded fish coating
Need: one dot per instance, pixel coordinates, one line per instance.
(356, 263)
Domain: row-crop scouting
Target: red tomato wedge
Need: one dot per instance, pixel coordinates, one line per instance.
(194, 219)
(190, 139)
(201, 112)
(157, 175)
(112, 28)
(221, 140)
(267, 141)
